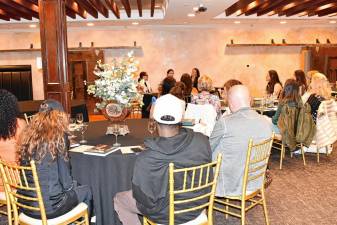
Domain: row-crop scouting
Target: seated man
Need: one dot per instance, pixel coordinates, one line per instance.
(230, 137)
(150, 195)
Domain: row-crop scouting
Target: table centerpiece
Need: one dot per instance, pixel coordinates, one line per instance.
(116, 87)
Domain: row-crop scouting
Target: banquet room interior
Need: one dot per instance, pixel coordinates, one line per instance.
(65, 49)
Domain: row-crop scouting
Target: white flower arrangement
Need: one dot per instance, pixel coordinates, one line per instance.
(117, 82)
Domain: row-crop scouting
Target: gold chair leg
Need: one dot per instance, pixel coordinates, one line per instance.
(243, 212)
(265, 207)
(86, 219)
(227, 208)
(303, 156)
(317, 149)
(327, 150)
(282, 155)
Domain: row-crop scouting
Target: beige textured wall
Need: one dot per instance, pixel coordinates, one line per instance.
(183, 48)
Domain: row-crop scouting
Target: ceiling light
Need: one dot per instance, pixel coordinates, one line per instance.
(191, 15)
(237, 22)
(283, 22)
(135, 23)
(333, 21)
(90, 24)
(325, 6)
(195, 8)
(32, 25)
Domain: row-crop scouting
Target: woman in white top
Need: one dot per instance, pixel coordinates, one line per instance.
(274, 86)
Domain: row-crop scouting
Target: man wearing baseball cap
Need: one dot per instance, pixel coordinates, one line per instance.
(183, 147)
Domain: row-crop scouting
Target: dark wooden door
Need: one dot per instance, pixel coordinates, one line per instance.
(18, 80)
(324, 59)
(332, 69)
(81, 64)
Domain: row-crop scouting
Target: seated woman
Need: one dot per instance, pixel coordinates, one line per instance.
(302, 81)
(179, 90)
(274, 86)
(186, 79)
(318, 91)
(45, 141)
(205, 97)
(290, 96)
(11, 126)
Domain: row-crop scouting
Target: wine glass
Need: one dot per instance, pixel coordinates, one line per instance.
(151, 126)
(116, 131)
(83, 128)
(72, 127)
(79, 118)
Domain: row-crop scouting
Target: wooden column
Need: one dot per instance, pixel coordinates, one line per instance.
(53, 31)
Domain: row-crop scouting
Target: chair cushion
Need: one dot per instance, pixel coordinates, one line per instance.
(75, 211)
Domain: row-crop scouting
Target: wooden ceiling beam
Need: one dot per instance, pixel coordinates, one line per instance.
(36, 2)
(327, 11)
(111, 4)
(100, 7)
(8, 15)
(322, 8)
(74, 7)
(15, 11)
(304, 6)
(140, 8)
(70, 13)
(22, 10)
(238, 6)
(153, 5)
(28, 5)
(4, 17)
(127, 7)
(88, 7)
(272, 6)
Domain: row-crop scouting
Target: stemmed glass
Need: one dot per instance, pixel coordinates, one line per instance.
(83, 128)
(151, 126)
(72, 127)
(79, 118)
(116, 131)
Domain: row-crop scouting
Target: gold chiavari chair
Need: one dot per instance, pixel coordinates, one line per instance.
(255, 168)
(15, 181)
(201, 179)
(136, 111)
(278, 145)
(28, 118)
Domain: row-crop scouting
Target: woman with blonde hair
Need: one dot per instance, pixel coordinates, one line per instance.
(46, 142)
(205, 85)
(318, 91)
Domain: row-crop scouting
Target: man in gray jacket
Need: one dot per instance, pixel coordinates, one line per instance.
(183, 147)
(230, 137)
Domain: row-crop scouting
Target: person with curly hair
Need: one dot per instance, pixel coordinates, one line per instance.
(11, 125)
(45, 140)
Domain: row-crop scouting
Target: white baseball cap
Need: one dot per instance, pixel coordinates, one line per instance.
(168, 109)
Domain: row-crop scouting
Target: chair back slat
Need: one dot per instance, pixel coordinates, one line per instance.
(256, 163)
(28, 118)
(197, 178)
(17, 185)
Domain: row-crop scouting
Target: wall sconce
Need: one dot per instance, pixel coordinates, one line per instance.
(317, 41)
(328, 41)
(272, 41)
(92, 44)
(232, 42)
(284, 41)
(39, 63)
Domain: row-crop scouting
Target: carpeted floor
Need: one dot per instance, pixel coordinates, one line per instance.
(298, 195)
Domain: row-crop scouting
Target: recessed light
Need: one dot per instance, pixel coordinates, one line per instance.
(195, 8)
(237, 22)
(157, 6)
(135, 23)
(283, 22)
(191, 15)
(32, 25)
(90, 24)
(333, 21)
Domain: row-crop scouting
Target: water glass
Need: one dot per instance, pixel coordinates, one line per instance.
(72, 127)
(116, 132)
(83, 128)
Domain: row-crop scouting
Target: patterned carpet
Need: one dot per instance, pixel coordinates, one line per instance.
(298, 195)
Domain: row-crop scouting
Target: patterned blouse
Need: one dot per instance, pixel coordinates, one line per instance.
(207, 98)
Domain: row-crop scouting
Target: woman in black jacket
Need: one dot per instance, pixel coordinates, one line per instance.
(45, 140)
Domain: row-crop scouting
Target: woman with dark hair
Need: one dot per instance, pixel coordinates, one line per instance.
(167, 83)
(290, 96)
(178, 90)
(11, 126)
(186, 79)
(274, 86)
(45, 140)
(170, 73)
(195, 77)
(302, 81)
(143, 84)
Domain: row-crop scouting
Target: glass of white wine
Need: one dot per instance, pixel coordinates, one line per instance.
(116, 132)
(79, 118)
(83, 128)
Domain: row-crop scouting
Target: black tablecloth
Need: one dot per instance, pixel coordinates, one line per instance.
(111, 174)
